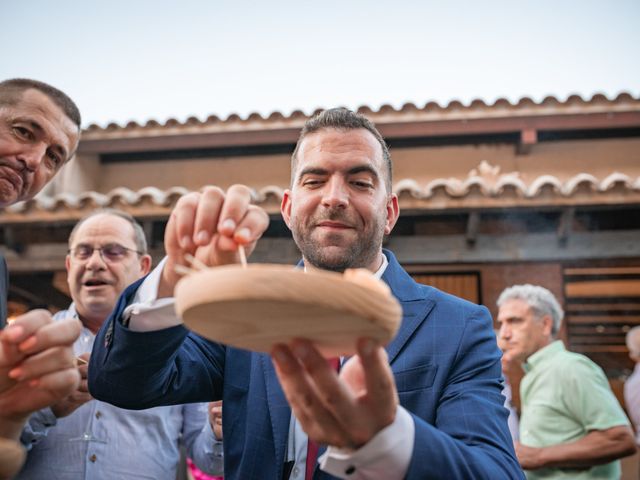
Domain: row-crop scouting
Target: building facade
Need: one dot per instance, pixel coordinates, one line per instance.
(490, 195)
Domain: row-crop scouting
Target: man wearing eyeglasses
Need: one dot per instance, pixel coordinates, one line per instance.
(83, 438)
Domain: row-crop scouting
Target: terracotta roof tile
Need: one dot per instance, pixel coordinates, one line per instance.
(501, 186)
(525, 104)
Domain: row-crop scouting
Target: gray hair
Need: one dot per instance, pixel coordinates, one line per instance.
(343, 119)
(138, 233)
(11, 92)
(633, 341)
(541, 301)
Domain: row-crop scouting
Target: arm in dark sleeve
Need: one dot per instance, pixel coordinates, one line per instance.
(4, 288)
(139, 370)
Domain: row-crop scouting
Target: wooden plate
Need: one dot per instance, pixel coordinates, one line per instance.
(260, 305)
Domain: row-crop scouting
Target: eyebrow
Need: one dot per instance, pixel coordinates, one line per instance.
(351, 171)
(363, 169)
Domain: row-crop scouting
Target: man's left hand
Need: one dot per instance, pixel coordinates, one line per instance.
(344, 411)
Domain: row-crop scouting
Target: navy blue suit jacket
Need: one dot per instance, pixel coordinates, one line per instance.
(444, 358)
(4, 289)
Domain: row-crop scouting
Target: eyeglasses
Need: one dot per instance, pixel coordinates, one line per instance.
(111, 252)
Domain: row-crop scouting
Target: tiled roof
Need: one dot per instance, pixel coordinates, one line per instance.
(456, 188)
(484, 187)
(408, 112)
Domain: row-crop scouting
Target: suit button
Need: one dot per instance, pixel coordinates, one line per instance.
(93, 458)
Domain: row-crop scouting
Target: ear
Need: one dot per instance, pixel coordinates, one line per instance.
(145, 264)
(67, 265)
(393, 212)
(285, 207)
(547, 325)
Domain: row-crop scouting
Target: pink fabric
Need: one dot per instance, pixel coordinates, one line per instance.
(198, 474)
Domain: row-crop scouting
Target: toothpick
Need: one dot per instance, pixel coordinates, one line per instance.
(195, 262)
(182, 270)
(243, 256)
(82, 361)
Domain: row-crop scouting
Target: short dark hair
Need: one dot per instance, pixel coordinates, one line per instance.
(138, 233)
(342, 119)
(11, 92)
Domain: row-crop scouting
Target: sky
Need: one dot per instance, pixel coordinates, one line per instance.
(138, 60)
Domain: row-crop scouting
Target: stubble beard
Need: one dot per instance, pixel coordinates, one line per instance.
(336, 254)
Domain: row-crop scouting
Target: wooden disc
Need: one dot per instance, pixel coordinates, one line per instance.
(260, 305)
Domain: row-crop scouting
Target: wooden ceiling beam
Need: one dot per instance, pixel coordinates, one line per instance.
(473, 223)
(528, 138)
(565, 225)
(124, 141)
(411, 250)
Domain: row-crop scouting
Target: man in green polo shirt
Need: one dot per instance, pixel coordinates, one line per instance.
(571, 424)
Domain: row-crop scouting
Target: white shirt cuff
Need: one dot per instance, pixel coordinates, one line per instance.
(147, 313)
(387, 455)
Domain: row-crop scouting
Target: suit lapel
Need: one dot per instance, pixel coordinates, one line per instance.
(415, 304)
(279, 412)
(413, 314)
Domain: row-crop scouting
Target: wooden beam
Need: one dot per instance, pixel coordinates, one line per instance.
(501, 125)
(410, 250)
(443, 249)
(189, 141)
(597, 339)
(603, 319)
(127, 142)
(566, 224)
(473, 222)
(603, 288)
(600, 348)
(528, 138)
(603, 307)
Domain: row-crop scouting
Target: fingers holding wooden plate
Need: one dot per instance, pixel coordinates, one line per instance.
(260, 305)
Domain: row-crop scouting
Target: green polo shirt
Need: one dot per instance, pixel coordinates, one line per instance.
(565, 395)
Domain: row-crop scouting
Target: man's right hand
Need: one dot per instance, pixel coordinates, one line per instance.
(210, 225)
(78, 397)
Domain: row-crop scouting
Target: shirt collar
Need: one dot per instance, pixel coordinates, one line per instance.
(71, 311)
(378, 273)
(385, 263)
(544, 354)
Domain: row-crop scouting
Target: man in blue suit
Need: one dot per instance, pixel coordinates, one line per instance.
(426, 406)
